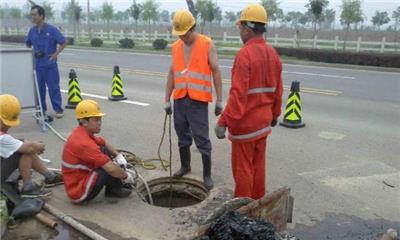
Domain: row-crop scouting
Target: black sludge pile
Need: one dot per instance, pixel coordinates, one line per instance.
(234, 226)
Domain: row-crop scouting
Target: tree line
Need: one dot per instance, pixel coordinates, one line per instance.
(317, 16)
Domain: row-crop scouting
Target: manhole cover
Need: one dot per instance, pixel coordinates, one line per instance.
(170, 192)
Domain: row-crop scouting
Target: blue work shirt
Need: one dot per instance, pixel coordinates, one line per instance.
(45, 40)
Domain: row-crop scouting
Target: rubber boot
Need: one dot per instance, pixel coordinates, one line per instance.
(207, 181)
(115, 188)
(184, 153)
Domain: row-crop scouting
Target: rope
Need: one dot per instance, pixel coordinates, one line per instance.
(147, 163)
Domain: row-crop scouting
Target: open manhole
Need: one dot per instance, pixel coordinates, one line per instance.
(170, 192)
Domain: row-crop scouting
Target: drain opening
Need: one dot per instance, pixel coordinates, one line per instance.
(174, 192)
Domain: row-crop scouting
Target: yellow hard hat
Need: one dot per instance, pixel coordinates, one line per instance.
(10, 108)
(182, 22)
(254, 13)
(88, 108)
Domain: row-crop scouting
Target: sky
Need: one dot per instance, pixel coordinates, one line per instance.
(368, 6)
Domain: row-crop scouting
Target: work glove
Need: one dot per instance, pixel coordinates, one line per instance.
(218, 108)
(220, 131)
(131, 180)
(120, 160)
(274, 121)
(168, 108)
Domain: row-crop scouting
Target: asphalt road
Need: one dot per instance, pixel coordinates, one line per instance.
(336, 166)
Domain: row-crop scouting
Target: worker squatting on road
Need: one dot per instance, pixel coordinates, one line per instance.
(87, 160)
(194, 64)
(21, 154)
(253, 105)
(44, 38)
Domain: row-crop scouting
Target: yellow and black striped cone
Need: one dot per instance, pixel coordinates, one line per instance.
(117, 92)
(292, 118)
(74, 92)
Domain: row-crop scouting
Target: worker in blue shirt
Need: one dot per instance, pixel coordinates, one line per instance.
(44, 38)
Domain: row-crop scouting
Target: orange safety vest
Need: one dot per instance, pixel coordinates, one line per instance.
(194, 78)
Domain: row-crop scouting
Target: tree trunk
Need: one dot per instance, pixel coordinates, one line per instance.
(108, 29)
(149, 30)
(345, 36)
(136, 25)
(74, 20)
(203, 23)
(79, 31)
(396, 38)
(89, 28)
(315, 29)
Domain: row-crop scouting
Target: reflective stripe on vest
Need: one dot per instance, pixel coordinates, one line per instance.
(87, 188)
(261, 90)
(193, 86)
(192, 75)
(251, 135)
(76, 166)
(88, 184)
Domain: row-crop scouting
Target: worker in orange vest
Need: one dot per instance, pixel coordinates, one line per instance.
(254, 104)
(194, 65)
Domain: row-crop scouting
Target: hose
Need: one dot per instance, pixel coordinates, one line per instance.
(51, 128)
(147, 188)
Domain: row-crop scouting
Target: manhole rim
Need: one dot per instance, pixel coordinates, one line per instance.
(165, 181)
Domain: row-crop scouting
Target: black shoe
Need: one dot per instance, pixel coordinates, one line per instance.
(47, 118)
(57, 180)
(184, 153)
(120, 192)
(35, 192)
(207, 180)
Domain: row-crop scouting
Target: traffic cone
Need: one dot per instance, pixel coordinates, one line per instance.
(117, 92)
(74, 92)
(292, 118)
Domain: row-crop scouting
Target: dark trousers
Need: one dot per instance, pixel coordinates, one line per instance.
(8, 165)
(103, 179)
(191, 122)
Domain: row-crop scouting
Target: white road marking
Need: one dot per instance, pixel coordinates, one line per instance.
(331, 135)
(319, 75)
(306, 73)
(341, 69)
(106, 98)
(120, 52)
(223, 66)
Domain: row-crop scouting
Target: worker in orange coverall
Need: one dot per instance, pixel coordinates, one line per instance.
(254, 104)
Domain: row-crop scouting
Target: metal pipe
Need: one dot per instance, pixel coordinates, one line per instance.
(73, 223)
(46, 220)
